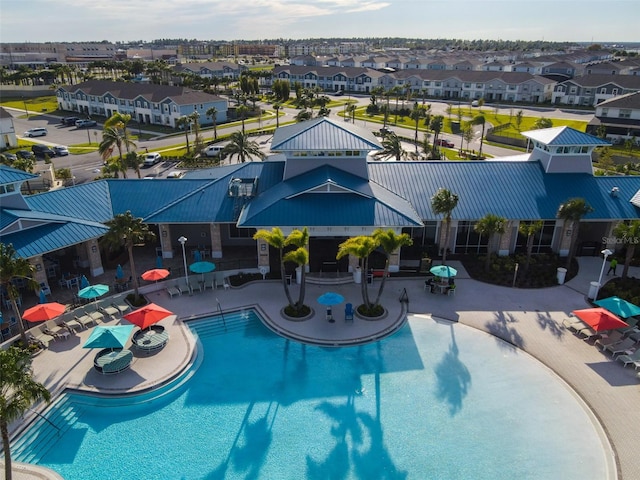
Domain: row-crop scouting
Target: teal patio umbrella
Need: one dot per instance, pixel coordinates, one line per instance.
(93, 291)
(109, 336)
(202, 267)
(619, 306)
(119, 272)
(444, 271)
(329, 299)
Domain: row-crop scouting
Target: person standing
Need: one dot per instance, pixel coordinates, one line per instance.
(612, 267)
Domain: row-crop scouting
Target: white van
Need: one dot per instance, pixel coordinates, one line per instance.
(213, 150)
(150, 159)
(35, 132)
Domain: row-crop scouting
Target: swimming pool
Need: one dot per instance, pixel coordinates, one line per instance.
(436, 400)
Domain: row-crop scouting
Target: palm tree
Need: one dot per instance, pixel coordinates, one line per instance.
(299, 256)
(542, 122)
(418, 112)
(14, 267)
(390, 242)
(490, 226)
(276, 239)
(112, 138)
(351, 111)
(392, 147)
(360, 247)
(120, 121)
(241, 146)
(277, 107)
(629, 234)
(436, 125)
(444, 202)
(572, 212)
(127, 231)
(479, 120)
(242, 112)
(529, 230)
(19, 392)
(212, 114)
(184, 122)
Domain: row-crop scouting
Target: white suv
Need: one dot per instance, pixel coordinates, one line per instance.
(36, 132)
(150, 159)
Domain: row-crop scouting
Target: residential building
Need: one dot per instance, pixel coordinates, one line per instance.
(212, 69)
(620, 117)
(146, 103)
(590, 90)
(8, 137)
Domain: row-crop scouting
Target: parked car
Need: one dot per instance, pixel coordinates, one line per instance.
(61, 150)
(25, 154)
(69, 121)
(150, 159)
(42, 151)
(444, 143)
(475, 103)
(213, 150)
(11, 157)
(176, 174)
(35, 132)
(385, 131)
(86, 123)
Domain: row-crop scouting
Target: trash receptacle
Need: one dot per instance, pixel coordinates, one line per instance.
(561, 273)
(357, 275)
(593, 290)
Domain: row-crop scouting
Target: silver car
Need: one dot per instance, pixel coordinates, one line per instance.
(61, 150)
(35, 132)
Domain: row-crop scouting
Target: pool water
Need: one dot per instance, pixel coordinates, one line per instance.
(436, 401)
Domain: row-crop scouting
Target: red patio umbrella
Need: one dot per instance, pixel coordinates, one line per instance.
(600, 319)
(44, 311)
(155, 274)
(148, 315)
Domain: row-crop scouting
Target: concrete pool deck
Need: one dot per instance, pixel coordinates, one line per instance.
(529, 319)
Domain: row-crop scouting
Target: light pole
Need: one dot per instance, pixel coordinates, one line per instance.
(606, 252)
(182, 241)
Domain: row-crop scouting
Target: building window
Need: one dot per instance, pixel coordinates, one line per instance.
(235, 232)
(468, 240)
(542, 240)
(625, 113)
(605, 112)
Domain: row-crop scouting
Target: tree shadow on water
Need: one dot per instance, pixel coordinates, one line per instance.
(453, 378)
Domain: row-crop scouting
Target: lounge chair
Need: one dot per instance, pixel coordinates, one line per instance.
(194, 284)
(348, 312)
(86, 321)
(97, 315)
(619, 347)
(613, 337)
(119, 303)
(209, 281)
(573, 324)
(41, 337)
(73, 325)
(587, 333)
(634, 358)
(173, 291)
(183, 287)
(110, 311)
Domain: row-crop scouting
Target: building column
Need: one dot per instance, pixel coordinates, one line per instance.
(94, 260)
(441, 233)
(165, 240)
(263, 256)
(39, 272)
(354, 263)
(565, 240)
(216, 241)
(504, 245)
(394, 261)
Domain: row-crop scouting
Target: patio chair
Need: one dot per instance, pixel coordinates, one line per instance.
(587, 333)
(173, 291)
(619, 347)
(73, 325)
(110, 311)
(183, 287)
(209, 281)
(573, 324)
(348, 312)
(626, 359)
(86, 321)
(608, 339)
(40, 336)
(194, 284)
(118, 302)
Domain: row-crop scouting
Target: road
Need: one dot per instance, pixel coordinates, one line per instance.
(86, 167)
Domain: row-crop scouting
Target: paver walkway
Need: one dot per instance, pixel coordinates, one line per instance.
(529, 319)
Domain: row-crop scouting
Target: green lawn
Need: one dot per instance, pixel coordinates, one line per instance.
(40, 104)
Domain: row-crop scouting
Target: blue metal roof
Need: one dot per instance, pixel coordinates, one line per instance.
(89, 201)
(298, 201)
(514, 190)
(323, 134)
(564, 136)
(13, 175)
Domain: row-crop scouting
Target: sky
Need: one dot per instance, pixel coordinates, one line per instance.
(127, 20)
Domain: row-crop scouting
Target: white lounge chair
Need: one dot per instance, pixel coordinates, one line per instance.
(634, 358)
(173, 291)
